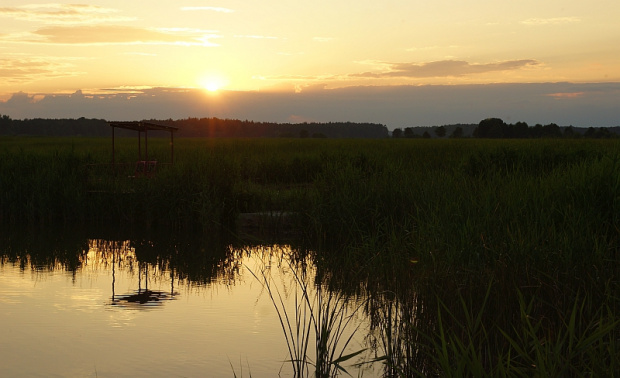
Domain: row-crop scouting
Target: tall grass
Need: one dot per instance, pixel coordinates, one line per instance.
(537, 220)
(319, 315)
(498, 238)
(584, 344)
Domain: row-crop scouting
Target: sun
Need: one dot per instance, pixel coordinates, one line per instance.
(212, 83)
(212, 87)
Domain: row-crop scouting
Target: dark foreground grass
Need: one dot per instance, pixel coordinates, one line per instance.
(480, 257)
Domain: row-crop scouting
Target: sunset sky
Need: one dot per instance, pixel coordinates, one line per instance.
(136, 47)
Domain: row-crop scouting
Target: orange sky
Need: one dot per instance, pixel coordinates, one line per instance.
(157, 51)
(273, 45)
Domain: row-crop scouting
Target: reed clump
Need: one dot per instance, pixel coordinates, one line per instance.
(536, 223)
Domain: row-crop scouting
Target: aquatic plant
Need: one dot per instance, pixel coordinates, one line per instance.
(320, 315)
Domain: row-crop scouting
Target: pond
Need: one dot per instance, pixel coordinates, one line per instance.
(75, 306)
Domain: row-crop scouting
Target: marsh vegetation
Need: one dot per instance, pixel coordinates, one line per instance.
(474, 257)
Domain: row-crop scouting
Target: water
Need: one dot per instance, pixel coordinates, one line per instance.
(115, 309)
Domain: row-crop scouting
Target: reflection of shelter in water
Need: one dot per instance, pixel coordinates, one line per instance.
(142, 296)
(121, 255)
(161, 263)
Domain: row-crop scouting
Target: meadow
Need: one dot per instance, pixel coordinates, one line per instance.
(477, 257)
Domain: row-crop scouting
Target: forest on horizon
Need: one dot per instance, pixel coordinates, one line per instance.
(235, 128)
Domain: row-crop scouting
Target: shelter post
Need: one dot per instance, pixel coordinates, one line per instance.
(171, 148)
(113, 159)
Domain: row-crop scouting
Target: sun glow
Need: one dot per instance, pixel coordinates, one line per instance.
(212, 83)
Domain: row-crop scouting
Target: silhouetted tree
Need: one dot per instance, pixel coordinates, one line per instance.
(570, 133)
(590, 132)
(551, 131)
(397, 133)
(518, 130)
(303, 133)
(457, 133)
(440, 131)
(5, 124)
(536, 131)
(490, 128)
(426, 135)
(409, 132)
(603, 133)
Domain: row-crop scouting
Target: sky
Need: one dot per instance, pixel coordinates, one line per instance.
(396, 62)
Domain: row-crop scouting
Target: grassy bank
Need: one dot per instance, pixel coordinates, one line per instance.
(479, 256)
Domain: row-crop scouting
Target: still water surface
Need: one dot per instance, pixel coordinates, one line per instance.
(112, 315)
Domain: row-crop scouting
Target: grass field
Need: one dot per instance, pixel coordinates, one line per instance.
(480, 257)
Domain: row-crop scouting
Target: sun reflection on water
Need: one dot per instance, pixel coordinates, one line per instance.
(185, 308)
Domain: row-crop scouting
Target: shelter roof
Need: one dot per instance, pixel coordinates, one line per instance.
(142, 126)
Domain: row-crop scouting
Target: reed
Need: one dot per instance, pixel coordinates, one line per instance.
(583, 345)
(467, 227)
(320, 315)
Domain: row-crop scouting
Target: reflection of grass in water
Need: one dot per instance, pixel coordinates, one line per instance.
(461, 338)
(319, 314)
(583, 344)
(241, 369)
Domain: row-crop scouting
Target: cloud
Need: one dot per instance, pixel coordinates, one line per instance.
(394, 106)
(429, 48)
(115, 34)
(256, 36)
(551, 21)
(562, 95)
(137, 53)
(213, 9)
(300, 119)
(21, 69)
(445, 68)
(63, 13)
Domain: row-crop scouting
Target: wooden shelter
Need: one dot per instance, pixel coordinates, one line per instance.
(144, 165)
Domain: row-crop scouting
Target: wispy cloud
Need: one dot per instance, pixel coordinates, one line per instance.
(295, 77)
(28, 69)
(256, 36)
(551, 21)
(562, 95)
(213, 9)
(431, 48)
(446, 68)
(63, 13)
(140, 53)
(114, 34)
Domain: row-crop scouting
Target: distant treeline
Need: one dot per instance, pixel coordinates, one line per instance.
(196, 127)
(498, 129)
(226, 128)
(234, 128)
